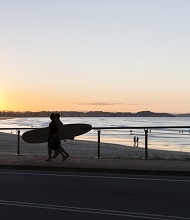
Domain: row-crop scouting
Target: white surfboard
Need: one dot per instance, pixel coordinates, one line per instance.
(66, 131)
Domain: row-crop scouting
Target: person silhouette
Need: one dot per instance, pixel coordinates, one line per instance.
(53, 140)
(60, 149)
(137, 141)
(134, 140)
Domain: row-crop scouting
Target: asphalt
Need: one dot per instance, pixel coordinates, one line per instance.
(103, 165)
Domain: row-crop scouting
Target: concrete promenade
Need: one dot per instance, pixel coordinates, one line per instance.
(129, 166)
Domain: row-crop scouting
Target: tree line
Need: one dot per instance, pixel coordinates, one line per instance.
(83, 114)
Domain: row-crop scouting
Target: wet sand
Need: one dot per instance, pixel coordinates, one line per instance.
(81, 148)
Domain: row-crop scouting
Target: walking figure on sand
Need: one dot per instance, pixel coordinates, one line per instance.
(54, 144)
(136, 141)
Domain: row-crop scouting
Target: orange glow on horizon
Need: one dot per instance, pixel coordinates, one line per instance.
(37, 101)
(75, 107)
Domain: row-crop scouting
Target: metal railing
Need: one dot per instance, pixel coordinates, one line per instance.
(136, 128)
(98, 129)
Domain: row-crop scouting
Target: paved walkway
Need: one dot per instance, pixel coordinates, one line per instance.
(158, 167)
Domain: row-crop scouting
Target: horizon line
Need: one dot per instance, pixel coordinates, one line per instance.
(85, 111)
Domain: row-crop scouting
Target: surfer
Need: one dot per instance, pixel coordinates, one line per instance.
(53, 140)
(60, 149)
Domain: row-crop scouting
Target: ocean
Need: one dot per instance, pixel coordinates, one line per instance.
(164, 139)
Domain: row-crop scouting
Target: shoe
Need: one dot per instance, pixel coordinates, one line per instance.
(48, 159)
(67, 155)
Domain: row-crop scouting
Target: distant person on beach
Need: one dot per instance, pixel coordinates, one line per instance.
(53, 140)
(60, 149)
(134, 140)
(137, 141)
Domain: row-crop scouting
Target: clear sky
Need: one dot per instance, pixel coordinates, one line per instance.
(105, 55)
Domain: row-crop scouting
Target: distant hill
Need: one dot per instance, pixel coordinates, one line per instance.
(87, 114)
(153, 114)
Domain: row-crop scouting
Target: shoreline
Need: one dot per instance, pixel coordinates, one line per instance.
(5, 118)
(170, 140)
(84, 148)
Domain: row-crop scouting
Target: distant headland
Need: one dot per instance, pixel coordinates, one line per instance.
(89, 114)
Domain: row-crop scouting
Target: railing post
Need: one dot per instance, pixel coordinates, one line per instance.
(146, 143)
(18, 143)
(99, 143)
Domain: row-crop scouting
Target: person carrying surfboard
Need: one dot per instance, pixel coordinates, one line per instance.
(53, 140)
(60, 149)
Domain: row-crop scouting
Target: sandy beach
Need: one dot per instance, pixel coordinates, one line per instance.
(82, 148)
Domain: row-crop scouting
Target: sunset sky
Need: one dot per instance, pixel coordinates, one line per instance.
(87, 55)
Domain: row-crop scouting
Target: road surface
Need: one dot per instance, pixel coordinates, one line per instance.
(68, 195)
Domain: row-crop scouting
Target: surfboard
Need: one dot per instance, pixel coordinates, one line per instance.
(66, 131)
